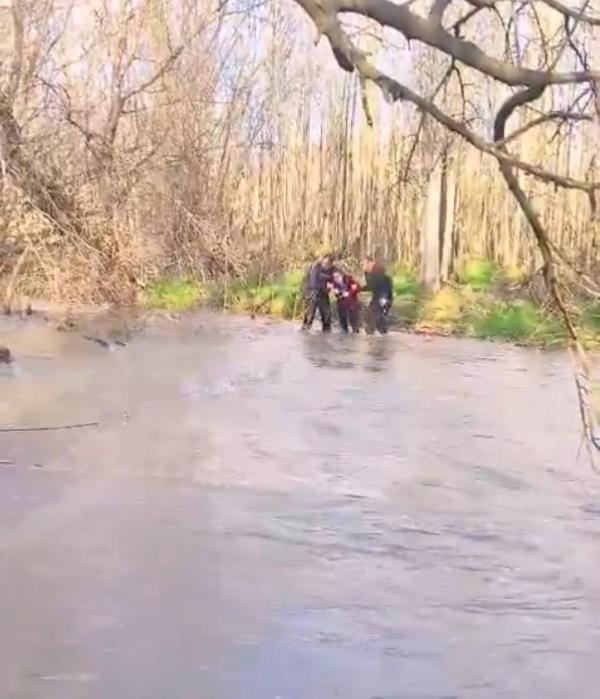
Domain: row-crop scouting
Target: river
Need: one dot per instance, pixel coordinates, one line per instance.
(263, 514)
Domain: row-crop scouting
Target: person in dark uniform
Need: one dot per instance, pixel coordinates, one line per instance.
(316, 293)
(346, 290)
(380, 286)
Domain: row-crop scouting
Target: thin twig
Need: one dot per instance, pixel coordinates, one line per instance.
(52, 428)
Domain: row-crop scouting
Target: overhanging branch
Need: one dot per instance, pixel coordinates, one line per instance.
(429, 31)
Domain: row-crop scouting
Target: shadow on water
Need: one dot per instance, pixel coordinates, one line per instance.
(329, 350)
(380, 350)
(348, 352)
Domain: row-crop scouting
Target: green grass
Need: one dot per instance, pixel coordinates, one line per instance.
(406, 310)
(517, 321)
(293, 279)
(405, 282)
(177, 295)
(507, 322)
(281, 297)
(479, 275)
(590, 318)
(465, 311)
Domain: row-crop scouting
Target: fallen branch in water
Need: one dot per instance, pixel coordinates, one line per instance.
(52, 428)
(12, 462)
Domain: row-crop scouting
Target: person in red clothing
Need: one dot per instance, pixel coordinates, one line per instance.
(346, 290)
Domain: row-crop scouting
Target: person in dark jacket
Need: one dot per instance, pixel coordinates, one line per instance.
(380, 286)
(346, 290)
(316, 293)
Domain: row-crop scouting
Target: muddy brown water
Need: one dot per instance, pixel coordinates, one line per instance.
(262, 514)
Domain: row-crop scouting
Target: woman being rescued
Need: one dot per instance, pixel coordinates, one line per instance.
(346, 290)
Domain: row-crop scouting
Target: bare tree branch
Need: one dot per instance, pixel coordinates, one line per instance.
(561, 116)
(393, 90)
(576, 14)
(428, 31)
(162, 70)
(543, 240)
(417, 137)
(438, 9)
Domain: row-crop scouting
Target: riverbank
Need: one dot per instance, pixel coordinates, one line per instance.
(484, 302)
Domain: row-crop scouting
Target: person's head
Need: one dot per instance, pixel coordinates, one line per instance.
(338, 276)
(368, 263)
(327, 261)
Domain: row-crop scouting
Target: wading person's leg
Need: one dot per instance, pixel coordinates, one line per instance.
(371, 317)
(343, 315)
(324, 311)
(354, 318)
(310, 309)
(382, 319)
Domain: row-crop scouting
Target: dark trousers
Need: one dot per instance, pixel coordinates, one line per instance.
(313, 301)
(377, 317)
(348, 316)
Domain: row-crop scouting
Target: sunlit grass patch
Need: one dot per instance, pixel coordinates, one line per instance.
(177, 295)
(281, 297)
(405, 283)
(479, 275)
(442, 312)
(518, 321)
(590, 318)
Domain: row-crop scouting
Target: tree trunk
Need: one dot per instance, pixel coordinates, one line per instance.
(447, 209)
(430, 232)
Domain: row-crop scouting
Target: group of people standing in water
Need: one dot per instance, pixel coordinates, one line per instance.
(324, 278)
